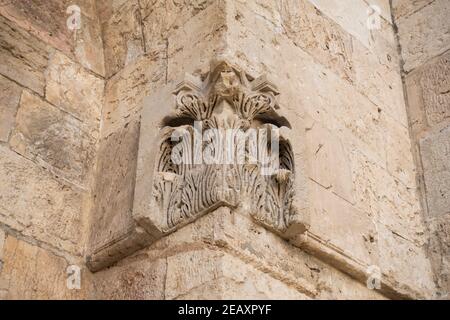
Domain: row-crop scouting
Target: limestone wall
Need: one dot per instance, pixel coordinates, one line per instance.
(51, 98)
(424, 36)
(71, 105)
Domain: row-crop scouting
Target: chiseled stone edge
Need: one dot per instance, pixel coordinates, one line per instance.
(330, 254)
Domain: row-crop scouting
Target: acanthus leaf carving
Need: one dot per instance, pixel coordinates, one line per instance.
(185, 188)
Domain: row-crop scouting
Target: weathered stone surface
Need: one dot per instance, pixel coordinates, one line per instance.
(257, 247)
(48, 22)
(24, 58)
(114, 186)
(337, 223)
(140, 280)
(30, 272)
(54, 139)
(404, 262)
(370, 64)
(122, 36)
(231, 278)
(399, 157)
(380, 194)
(350, 15)
(160, 18)
(435, 151)
(404, 8)
(429, 93)
(125, 92)
(74, 90)
(191, 47)
(328, 162)
(385, 7)
(33, 203)
(422, 37)
(2, 242)
(9, 101)
(330, 69)
(88, 45)
(318, 35)
(439, 250)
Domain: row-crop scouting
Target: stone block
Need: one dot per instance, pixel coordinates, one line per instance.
(338, 224)
(202, 38)
(328, 162)
(54, 139)
(2, 243)
(428, 90)
(232, 278)
(380, 194)
(24, 58)
(36, 205)
(125, 92)
(139, 280)
(47, 21)
(75, 90)
(114, 186)
(439, 252)
(30, 272)
(402, 261)
(122, 36)
(9, 102)
(435, 153)
(425, 34)
(404, 8)
(161, 18)
(398, 148)
(88, 45)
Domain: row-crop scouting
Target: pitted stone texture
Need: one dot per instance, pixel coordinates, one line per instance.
(328, 162)
(373, 68)
(125, 92)
(24, 58)
(435, 152)
(9, 101)
(30, 272)
(74, 90)
(122, 36)
(353, 16)
(404, 8)
(88, 45)
(402, 261)
(425, 34)
(140, 280)
(2, 242)
(47, 21)
(233, 278)
(54, 139)
(160, 18)
(33, 203)
(337, 223)
(428, 90)
(435, 83)
(439, 249)
(380, 195)
(262, 251)
(191, 47)
(114, 186)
